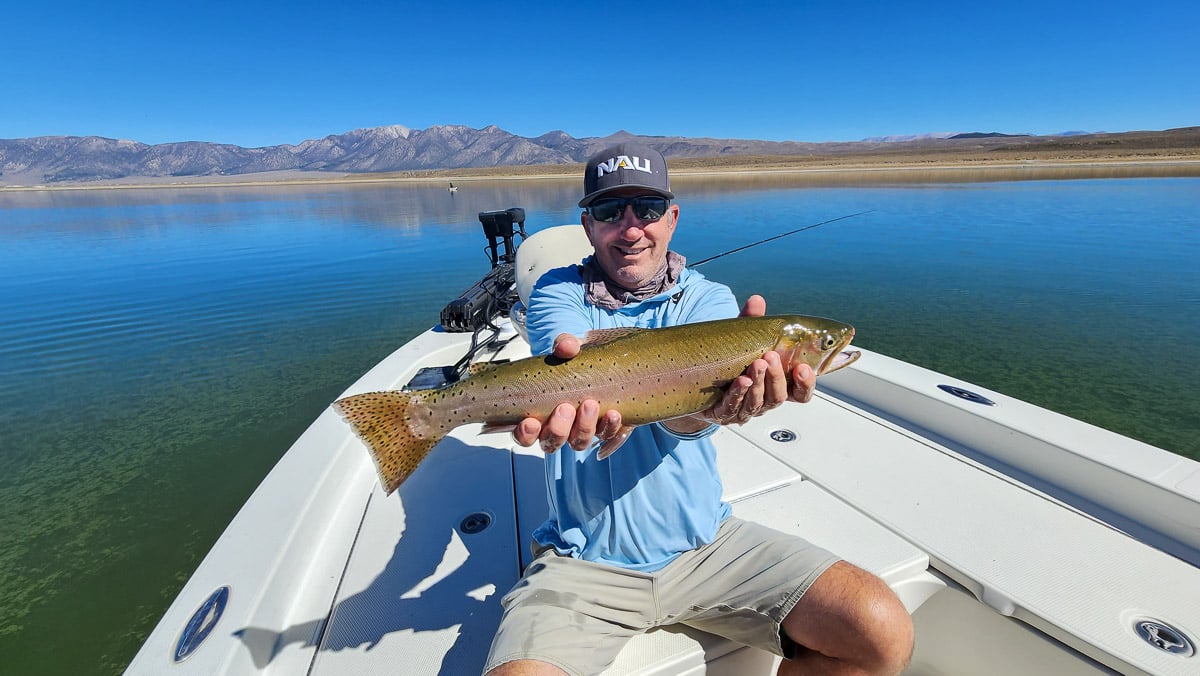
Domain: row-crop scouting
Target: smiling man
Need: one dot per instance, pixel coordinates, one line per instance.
(642, 538)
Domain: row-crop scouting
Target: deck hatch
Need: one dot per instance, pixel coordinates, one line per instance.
(966, 394)
(201, 624)
(476, 522)
(783, 435)
(1164, 637)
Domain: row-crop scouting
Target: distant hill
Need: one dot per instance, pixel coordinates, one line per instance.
(66, 159)
(909, 137)
(987, 134)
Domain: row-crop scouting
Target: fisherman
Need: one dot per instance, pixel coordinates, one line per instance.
(642, 538)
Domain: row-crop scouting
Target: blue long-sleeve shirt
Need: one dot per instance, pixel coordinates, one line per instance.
(658, 495)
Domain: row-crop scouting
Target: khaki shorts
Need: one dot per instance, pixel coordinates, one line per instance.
(577, 615)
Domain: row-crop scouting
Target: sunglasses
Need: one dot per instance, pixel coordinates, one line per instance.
(645, 207)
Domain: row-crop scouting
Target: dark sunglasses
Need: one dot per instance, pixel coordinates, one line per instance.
(645, 207)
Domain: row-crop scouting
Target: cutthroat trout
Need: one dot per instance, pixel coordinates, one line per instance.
(648, 375)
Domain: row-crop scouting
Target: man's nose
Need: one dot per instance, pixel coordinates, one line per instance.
(631, 226)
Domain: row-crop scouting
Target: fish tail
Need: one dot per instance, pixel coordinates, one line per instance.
(383, 420)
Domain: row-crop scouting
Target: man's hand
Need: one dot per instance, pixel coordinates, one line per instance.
(568, 424)
(804, 379)
(762, 387)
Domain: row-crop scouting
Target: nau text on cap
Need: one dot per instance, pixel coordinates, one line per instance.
(623, 162)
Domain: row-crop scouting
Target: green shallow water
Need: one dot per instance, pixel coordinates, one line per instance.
(161, 349)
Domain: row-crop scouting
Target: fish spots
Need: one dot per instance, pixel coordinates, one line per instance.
(647, 375)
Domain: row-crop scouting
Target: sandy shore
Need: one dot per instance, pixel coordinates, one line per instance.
(799, 169)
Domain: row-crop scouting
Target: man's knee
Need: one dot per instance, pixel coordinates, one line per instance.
(890, 630)
(526, 668)
(851, 615)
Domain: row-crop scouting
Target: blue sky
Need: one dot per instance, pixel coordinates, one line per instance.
(265, 73)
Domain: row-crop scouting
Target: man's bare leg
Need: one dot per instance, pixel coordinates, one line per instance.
(849, 622)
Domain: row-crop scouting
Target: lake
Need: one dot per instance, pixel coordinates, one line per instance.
(162, 348)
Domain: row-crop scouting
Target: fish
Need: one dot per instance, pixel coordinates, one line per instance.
(648, 375)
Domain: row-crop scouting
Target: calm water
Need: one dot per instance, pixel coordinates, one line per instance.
(161, 349)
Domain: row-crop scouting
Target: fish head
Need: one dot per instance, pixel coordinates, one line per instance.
(821, 343)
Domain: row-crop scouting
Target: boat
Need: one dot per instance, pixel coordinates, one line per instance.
(1019, 539)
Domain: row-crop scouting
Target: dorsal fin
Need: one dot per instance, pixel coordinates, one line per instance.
(602, 336)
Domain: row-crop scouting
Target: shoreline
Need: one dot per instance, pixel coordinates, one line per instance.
(848, 170)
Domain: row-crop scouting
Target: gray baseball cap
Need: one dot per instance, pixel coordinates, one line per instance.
(627, 165)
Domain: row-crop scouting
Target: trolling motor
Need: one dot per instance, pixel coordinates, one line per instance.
(498, 226)
(496, 292)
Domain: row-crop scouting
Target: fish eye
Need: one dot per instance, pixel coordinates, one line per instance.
(828, 342)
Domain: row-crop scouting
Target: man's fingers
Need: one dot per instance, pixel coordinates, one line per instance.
(566, 346)
(804, 381)
(762, 387)
(584, 429)
(609, 425)
(755, 306)
(752, 401)
(726, 410)
(527, 431)
(555, 431)
(775, 383)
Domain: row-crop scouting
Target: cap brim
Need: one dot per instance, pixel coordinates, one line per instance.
(593, 196)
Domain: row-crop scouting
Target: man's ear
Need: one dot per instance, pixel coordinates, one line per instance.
(586, 222)
(674, 211)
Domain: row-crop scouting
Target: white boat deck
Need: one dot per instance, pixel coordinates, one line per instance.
(1019, 552)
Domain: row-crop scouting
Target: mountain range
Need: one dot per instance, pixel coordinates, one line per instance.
(57, 159)
(65, 159)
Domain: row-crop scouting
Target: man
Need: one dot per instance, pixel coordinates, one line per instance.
(642, 538)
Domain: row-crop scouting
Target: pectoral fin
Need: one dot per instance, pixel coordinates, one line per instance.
(492, 428)
(609, 447)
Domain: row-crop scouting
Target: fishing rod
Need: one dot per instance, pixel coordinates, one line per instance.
(769, 239)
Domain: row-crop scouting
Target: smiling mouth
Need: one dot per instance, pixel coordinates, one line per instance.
(628, 252)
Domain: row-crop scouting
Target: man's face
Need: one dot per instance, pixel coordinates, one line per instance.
(631, 250)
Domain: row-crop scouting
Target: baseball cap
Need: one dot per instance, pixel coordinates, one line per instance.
(627, 165)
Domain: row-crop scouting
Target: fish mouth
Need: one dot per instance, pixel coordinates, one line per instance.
(839, 357)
